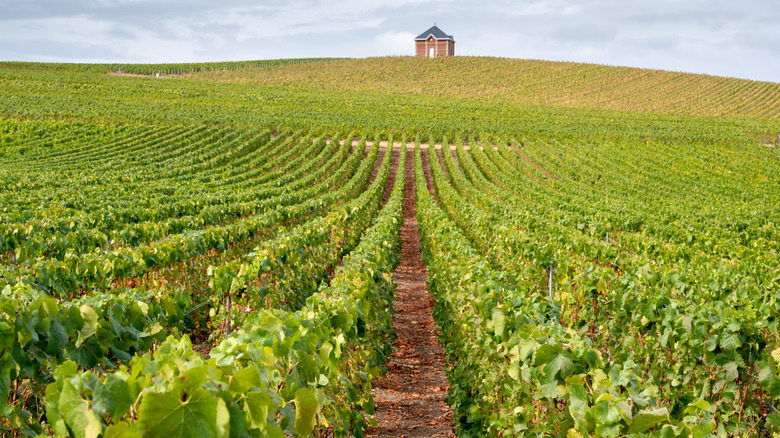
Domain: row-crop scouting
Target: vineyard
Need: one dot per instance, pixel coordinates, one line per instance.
(166, 69)
(532, 82)
(218, 257)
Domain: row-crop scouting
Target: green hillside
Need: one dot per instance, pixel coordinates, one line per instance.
(534, 82)
(400, 95)
(214, 254)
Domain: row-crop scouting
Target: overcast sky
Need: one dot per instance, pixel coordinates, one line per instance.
(719, 37)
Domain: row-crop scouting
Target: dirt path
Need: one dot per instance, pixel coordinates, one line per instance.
(410, 399)
(393, 170)
(426, 166)
(377, 163)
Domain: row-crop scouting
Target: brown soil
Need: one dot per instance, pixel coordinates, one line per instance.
(410, 399)
(377, 163)
(393, 170)
(426, 165)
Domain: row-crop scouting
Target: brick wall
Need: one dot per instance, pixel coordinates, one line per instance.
(440, 47)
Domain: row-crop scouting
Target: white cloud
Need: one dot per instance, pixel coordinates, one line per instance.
(545, 7)
(395, 43)
(714, 36)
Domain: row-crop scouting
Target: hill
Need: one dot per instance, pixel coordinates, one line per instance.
(387, 95)
(531, 82)
(216, 254)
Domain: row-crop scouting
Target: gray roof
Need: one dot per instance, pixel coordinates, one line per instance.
(436, 32)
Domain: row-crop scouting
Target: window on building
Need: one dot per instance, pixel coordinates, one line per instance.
(431, 52)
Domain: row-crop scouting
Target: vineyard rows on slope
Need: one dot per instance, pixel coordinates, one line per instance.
(82, 96)
(186, 257)
(589, 303)
(533, 82)
(559, 319)
(219, 253)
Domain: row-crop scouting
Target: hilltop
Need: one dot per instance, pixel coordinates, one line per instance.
(532, 82)
(405, 96)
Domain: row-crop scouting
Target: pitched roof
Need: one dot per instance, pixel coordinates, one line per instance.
(436, 33)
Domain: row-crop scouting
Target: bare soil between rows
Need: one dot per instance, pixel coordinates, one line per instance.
(410, 399)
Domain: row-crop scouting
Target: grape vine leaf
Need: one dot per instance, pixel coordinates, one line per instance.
(112, 397)
(121, 430)
(730, 341)
(176, 413)
(306, 407)
(77, 413)
(90, 324)
(499, 322)
(555, 362)
(647, 419)
(245, 379)
(257, 405)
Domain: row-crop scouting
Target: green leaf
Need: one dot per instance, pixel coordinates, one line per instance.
(77, 414)
(88, 355)
(325, 350)
(273, 431)
(544, 354)
(647, 419)
(578, 396)
(608, 430)
(178, 414)
(699, 405)
(514, 371)
(549, 390)
(561, 363)
(58, 338)
(90, 324)
(257, 405)
(323, 380)
(192, 379)
(776, 354)
(112, 397)
(499, 323)
(605, 413)
(66, 370)
(121, 430)
(527, 347)
(703, 429)
(730, 341)
(5, 388)
(731, 371)
(773, 420)
(245, 379)
(223, 419)
(594, 358)
(121, 355)
(306, 407)
(665, 337)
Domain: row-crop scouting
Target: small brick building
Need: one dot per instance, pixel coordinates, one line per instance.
(434, 43)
